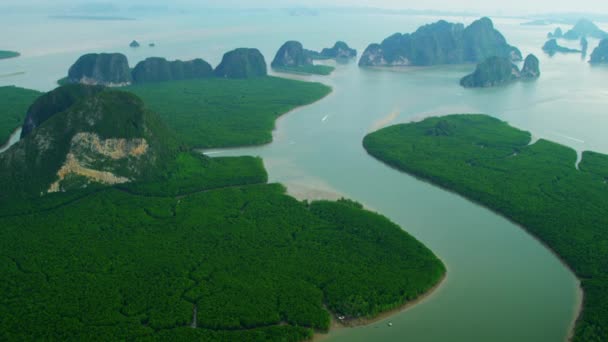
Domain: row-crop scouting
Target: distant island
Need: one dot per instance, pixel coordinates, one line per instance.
(9, 54)
(134, 44)
(585, 28)
(600, 53)
(92, 17)
(119, 231)
(441, 43)
(292, 57)
(552, 48)
(558, 33)
(537, 185)
(496, 71)
(340, 51)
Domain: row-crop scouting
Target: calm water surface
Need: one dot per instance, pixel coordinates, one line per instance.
(502, 284)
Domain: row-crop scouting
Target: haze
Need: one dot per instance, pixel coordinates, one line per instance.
(487, 7)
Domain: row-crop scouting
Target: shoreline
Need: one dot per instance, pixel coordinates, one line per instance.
(579, 307)
(363, 322)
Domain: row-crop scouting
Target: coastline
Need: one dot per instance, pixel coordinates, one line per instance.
(579, 307)
(362, 322)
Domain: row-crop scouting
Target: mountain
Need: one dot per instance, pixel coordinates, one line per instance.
(492, 72)
(54, 102)
(290, 55)
(104, 137)
(108, 69)
(558, 33)
(551, 47)
(242, 63)
(156, 69)
(441, 43)
(585, 28)
(600, 54)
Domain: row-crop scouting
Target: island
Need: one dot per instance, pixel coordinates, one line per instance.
(13, 107)
(9, 54)
(134, 44)
(292, 57)
(600, 53)
(119, 231)
(340, 51)
(441, 43)
(156, 69)
(152, 45)
(496, 71)
(585, 28)
(551, 48)
(242, 63)
(537, 185)
(107, 69)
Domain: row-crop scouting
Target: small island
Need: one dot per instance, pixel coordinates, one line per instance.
(558, 33)
(292, 57)
(496, 71)
(600, 53)
(134, 44)
(9, 54)
(441, 43)
(552, 48)
(536, 185)
(340, 51)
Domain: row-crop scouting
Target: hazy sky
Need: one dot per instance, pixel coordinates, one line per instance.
(489, 6)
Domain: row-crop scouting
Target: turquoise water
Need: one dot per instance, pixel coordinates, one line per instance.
(502, 284)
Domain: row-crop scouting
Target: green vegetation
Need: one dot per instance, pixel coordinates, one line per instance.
(14, 103)
(191, 248)
(8, 54)
(536, 185)
(227, 112)
(322, 70)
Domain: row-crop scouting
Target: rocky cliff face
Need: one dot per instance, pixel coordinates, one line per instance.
(156, 69)
(54, 102)
(105, 137)
(341, 50)
(108, 69)
(600, 54)
(531, 68)
(291, 55)
(242, 63)
(441, 43)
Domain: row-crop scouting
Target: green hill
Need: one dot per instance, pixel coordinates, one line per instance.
(537, 186)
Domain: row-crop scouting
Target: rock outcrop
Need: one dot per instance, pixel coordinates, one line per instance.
(242, 63)
(340, 50)
(495, 71)
(551, 48)
(291, 55)
(156, 69)
(531, 68)
(55, 102)
(441, 43)
(104, 137)
(600, 54)
(585, 28)
(108, 69)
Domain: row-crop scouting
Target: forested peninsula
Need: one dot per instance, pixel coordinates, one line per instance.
(538, 186)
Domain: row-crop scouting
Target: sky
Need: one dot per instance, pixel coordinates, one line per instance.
(488, 6)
